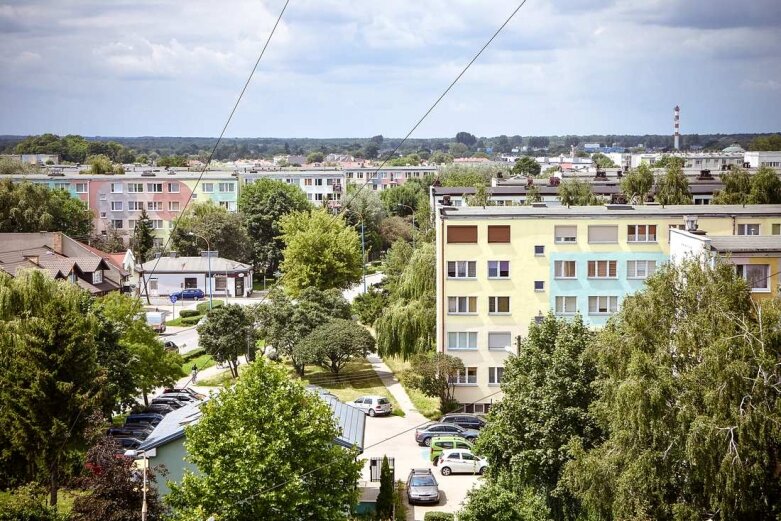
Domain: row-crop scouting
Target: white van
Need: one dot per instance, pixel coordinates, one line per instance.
(156, 320)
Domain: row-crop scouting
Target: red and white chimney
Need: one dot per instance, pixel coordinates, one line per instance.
(677, 128)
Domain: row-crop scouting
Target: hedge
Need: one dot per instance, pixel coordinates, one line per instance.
(189, 313)
(190, 321)
(203, 307)
(192, 355)
(438, 516)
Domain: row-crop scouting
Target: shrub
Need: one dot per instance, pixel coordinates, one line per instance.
(398, 501)
(192, 355)
(28, 503)
(203, 307)
(189, 313)
(438, 516)
(190, 321)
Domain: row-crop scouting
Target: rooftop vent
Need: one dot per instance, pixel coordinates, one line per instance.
(446, 200)
(601, 176)
(173, 254)
(148, 173)
(554, 181)
(619, 207)
(705, 175)
(539, 205)
(56, 174)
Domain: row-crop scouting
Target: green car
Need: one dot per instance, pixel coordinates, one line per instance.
(442, 443)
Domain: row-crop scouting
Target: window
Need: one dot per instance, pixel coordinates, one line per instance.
(462, 234)
(539, 251)
(318, 182)
(307, 182)
(81, 188)
(228, 205)
(566, 234)
(462, 340)
(116, 223)
(461, 269)
(154, 206)
(135, 206)
(466, 376)
(565, 269)
(461, 305)
(227, 187)
(756, 275)
(498, 305)
(495, 375)
(173, 188)
(598, 234)
(157, 224)
(131, 224)
(116, 206)
(641, 269)
(602, 269)
(102, 215)
(220, 283)
(207, 187)
(602, 305)
(135, 188)
(776, 230)
(498, 269)
(318, 197)
(173, 206)
(500, 340)
(116, 188)
(499, 234)
(566, 305)
(539, 285)
(748, 229)
(154, 187)
(97, 276)
(641, 233)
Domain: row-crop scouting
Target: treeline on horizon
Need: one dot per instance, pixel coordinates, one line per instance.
(74, 148)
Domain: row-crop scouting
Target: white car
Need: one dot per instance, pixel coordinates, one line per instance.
(373, 405)
(461, 461)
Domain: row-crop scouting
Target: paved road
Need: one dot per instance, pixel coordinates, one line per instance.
(356, 290)
(184, 337)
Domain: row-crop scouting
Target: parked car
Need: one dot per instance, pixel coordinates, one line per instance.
(373, 405)
(159, 408)
(145, 417)
(461, 461)
(172, 402)
(182, 397)
(439, 444)
(422, 487)
(467, 421)
(188, 293)
(138, 432)
(128, 443)
(171, 346)
(186, 390)
(424, 434)
(156, 320)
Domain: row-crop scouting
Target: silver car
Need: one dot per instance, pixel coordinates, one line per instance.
(373, 405)
(422, 487)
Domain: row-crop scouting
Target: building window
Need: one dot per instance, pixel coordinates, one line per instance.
(566, 305)
(81, 188)
(173, 188)
(539, 285)
(748, 229)
(307, 182)
(462, 340)
(173, 206)
(461, 305)
(499, 234)
(776, 228)
(318, 197)
(207, 187)
(157, 224)
(116, 223)
(116, 206)
(155, 188)
(498, 269)
(220, 283)
(565, 269)
(135, 188)
(461, 269)
(157, 242)
(602, 305)
(495, 375)
(135, 206)
(227, 187)
(599, 234)
(566, 234)
(641, 269)
(131, 224)
(500, 341)
(497, 305)
(757, 276)
(602, 269)
(97, 276)
(539, 250)
(154, 206)
(462, 234)
(641, 233)
(467, 376)
(116, 188)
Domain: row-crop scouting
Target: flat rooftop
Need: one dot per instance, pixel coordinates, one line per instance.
(607, 211)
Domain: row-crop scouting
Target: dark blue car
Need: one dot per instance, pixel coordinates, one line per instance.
(189, 293)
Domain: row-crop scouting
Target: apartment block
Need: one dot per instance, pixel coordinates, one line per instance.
(323, 187)
(500, 268)
(388, 176)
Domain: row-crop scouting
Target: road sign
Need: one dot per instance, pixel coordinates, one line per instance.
(173, 299)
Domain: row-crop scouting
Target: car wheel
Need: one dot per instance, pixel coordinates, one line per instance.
(427, 442)
(371, 412)
(481, 471)
(446, 471)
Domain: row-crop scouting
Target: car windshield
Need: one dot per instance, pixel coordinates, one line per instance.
(423, 481)
(382, 401)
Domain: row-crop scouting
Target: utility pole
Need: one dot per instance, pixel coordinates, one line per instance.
(363, 256)
(143, 504)
(209, 263)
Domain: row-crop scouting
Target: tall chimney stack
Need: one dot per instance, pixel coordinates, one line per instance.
(677, 128)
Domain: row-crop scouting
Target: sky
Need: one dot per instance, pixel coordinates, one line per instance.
(356, 68)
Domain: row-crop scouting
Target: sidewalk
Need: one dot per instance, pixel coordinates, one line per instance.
(209, 372)
(393, 385)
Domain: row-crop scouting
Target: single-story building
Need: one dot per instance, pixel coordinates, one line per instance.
(165, 275)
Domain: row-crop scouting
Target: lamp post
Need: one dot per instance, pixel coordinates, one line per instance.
(209, 261)
(134, 454)
(413, 221)
(363, 246)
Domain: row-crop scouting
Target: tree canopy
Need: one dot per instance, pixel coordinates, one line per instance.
(637, 184)
(526, 165)
(143, 239)
(31, 207)
(335, 343)
(575, 192)
(766, 143)
(224, 230)
(227, 334)
(740, 187)
(602, 161)
(673, 187)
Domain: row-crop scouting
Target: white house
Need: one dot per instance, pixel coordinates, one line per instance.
(165, 275)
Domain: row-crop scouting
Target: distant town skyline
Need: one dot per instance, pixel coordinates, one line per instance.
(352, 68)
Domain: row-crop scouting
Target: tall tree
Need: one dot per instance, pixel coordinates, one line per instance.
(321, 251)
(600, 160)
(263, 204)
(688, 373)
(737, 186)
(50, 380)
(288, 469)
(766, 143)
(435, 375)
(335, 343)
(466, 138)
(143, 238)
(526, 165)
(673, 187)
(575, 192)
(31, 207)
(364, 207)
(638, 183)
(227, 334)
(765, 187)
(224, 230)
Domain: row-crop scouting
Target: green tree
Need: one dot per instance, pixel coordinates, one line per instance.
(385, 496)
(673, 187)
(526, 165)
(638, 183)
(335, 343)
(668, 161)
(403, 199)
(315, 157)
(31, 207)
(458, 175)
(10, 166)
(143, 239)
(111, 242)
(169, 161)
(435, 375)
(466, 138)
(601, 161)
(224, 230)
(440, 158)
(50, 380)
(27, 503)
(369, 306)
(458, 150)
(100, 165)
(395, 228)
(575, 192)
(688, 401)
(263, 204)
(766, 143)
(288, 469)
(765, 187)
(227, 334)
(737, 186)
(496, 500)
(533, 195)
(320, 251)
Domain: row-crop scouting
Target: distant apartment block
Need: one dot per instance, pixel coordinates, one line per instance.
(388, 176)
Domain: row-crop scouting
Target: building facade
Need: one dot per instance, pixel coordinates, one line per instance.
(500, 268)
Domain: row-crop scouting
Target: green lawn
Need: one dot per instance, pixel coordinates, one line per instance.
(65, 499)
(426, 405)
(201, 362)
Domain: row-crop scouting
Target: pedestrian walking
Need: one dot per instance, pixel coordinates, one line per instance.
(195, 373)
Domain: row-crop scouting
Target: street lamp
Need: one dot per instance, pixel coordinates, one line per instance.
(134, 454)
(363, 246)
(209, 261)
(413, 222)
